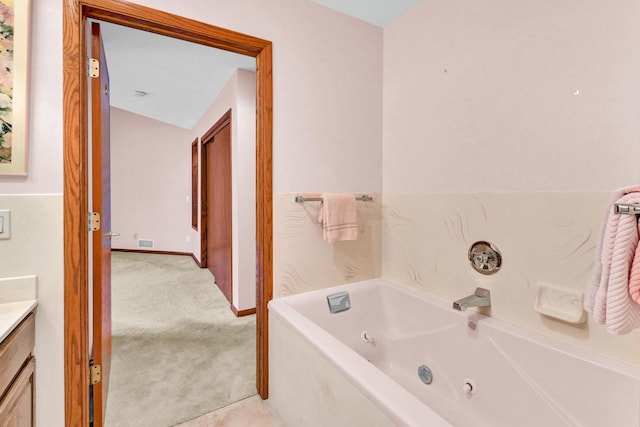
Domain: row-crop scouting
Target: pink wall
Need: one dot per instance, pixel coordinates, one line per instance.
(150, 182)
(239, 95)
(483, 96)
(321, 104)
(512, 69)
(327, 80)
(327, 76)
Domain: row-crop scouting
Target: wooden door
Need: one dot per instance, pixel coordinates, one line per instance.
(217, 149)
(101, 250)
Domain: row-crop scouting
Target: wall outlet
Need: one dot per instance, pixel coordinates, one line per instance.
(5, 224)
(187, 238)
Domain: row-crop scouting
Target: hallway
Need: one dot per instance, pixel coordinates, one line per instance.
(178, 350)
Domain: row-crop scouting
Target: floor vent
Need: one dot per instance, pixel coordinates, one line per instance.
(145, 243)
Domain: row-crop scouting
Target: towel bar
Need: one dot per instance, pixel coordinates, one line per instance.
(626, 209)
(302, 199)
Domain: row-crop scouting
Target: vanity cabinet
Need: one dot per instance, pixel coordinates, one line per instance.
(17, 366)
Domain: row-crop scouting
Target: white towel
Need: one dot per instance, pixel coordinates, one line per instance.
(339, 217)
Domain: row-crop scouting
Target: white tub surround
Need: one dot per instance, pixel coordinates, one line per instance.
(303, 261)
(17, 300)
(306, 389)
(484, 371)
(546, 240)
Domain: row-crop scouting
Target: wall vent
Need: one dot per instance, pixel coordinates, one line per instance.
(145, 243)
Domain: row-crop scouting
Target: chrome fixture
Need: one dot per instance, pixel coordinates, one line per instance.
(621, 209)
(480, 298)
(339, 302)
(425, 374)
(302, 199)
(469, 386)
(366, 337)
(485, 258)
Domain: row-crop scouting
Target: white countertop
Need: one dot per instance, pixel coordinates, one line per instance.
(12, 313)
(17, 300)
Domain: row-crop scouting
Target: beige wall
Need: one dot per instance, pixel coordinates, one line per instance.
(35, 248)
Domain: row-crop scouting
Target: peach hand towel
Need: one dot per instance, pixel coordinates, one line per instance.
(339, 217)
(608, 296)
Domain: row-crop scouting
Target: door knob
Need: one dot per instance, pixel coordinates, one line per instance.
(111, 235)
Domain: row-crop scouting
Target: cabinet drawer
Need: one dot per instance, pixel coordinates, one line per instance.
(15, 350)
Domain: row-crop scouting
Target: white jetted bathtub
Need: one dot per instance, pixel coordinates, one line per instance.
(360, 367)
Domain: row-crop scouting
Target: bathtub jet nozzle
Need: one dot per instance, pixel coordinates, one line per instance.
(480, 298)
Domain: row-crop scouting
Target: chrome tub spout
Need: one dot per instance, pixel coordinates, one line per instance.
(480, 298)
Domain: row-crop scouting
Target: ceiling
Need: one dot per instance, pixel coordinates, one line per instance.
(180, 79)
(174, 81)
(376, 12)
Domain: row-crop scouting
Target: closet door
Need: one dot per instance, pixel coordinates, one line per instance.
(217, 148)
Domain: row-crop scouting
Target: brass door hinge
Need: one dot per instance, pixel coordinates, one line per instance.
(94, 374)
(93, 66)
(94, 221)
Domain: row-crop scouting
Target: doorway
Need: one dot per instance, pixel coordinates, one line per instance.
(167, 316)
(76, 247)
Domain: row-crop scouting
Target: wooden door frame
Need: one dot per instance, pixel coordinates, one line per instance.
(75, 183)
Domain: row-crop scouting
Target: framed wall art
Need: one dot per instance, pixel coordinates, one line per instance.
(14, 78)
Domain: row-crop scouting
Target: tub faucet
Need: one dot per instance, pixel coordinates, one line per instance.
(480, 298)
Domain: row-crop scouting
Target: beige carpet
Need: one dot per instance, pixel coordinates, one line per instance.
(178, 350)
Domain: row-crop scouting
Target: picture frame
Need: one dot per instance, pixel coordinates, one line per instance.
(14, 78)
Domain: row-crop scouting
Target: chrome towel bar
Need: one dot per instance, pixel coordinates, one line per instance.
(626, 209)
(302, 199)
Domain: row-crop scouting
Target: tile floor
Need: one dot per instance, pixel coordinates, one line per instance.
(250, 412)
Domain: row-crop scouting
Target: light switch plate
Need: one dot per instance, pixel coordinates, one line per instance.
(5, 224)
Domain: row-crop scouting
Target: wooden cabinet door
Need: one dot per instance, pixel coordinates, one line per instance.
(18, 406)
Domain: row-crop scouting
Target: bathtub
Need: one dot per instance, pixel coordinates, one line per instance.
(360, 367)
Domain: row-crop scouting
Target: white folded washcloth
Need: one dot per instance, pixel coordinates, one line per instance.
(339, 217)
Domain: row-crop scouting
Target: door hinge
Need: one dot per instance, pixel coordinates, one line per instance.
(94, 221)
(93, 68)
(94, 373)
